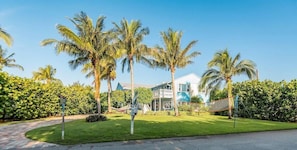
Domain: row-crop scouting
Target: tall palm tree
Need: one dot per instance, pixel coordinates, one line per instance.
(8, 61)
(222, 68)
(172, 56)
(88, 46)
(45, 74)
(130, 38)
(6, 37)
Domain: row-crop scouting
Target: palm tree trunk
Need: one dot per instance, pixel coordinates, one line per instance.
(174, 93)
(109, 94)
(97, 90)
(132, 78)
(230, 98)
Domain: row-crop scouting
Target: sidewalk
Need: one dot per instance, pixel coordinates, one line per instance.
(13, 136)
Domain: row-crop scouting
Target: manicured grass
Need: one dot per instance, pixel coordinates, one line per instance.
(117, 128)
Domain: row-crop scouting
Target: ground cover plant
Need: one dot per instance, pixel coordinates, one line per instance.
(117, 128)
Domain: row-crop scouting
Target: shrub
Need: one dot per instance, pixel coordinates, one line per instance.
(95, 118)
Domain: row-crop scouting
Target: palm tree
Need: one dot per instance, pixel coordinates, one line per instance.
(110, 75)
(172, 56)
(130, 38)
(6, 37)
(88, 46)
(8, 61)
(45, 74)
(222, 68)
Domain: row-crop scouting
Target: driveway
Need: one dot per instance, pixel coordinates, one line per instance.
(13, 136)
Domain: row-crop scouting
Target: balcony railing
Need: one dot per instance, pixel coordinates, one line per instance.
(162, 93)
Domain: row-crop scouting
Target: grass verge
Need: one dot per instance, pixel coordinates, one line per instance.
(117, 128)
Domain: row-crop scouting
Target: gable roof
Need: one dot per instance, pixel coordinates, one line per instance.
(192, 77)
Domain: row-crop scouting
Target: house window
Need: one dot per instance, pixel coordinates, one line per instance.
(184, 87)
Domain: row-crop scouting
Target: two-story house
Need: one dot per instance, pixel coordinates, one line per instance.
(186, 87)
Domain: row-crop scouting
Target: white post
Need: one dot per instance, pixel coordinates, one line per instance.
(132, 125)
(63, 126)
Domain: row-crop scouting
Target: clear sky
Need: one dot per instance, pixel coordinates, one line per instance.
(264, 31)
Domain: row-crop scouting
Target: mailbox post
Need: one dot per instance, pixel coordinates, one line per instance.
(235, 110)
(63, 102)
(134, 109)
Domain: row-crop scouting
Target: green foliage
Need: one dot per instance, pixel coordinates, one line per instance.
(81, 102)
(145, 95)
(118, 98)
(95, 118)
(23, 99)
(266, 100)
(218, 94)
(196, 99)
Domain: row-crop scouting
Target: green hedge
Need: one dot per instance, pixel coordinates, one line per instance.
(22, 98)
(267, 100)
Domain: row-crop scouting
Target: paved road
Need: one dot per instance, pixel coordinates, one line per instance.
(12, 137)
(274, 140)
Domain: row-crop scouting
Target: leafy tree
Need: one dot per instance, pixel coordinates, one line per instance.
(130, 36)
(222, 68)
(6, 37)
(145, 96)
(88, 47)
(118, 98)
(196, 99)
(172, 56)
(45, 74)
(8, 61)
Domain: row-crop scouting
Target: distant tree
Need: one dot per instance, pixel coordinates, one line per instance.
(6, 37)
(172, 56)
(45, 74)
(8, 61)
(196, 99)
(118, 98)
(145, 96)
(222, 68)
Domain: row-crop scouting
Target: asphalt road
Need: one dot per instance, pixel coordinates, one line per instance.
(273, 140)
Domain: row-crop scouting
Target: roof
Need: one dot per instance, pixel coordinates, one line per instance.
(127, 86)
(191, 76)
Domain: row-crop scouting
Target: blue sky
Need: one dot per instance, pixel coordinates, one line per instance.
(264, 31)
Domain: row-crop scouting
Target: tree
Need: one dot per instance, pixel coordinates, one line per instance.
(222, 68)
(45, 74)
(172, 56)
(88, 47)
(8, 61)
(145, 95)
(6, 37)
(130, 36)
(118, 98)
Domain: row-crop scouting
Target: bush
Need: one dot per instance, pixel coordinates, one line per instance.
(95, 118)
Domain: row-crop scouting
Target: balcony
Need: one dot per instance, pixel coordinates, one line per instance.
(162, 93)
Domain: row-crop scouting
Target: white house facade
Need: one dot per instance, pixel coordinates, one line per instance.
(186, 87)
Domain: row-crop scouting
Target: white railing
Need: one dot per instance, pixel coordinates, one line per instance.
(162, 93)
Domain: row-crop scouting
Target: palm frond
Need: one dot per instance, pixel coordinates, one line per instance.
(6, 37)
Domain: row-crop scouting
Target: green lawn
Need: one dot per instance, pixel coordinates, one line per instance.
(117, 128)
